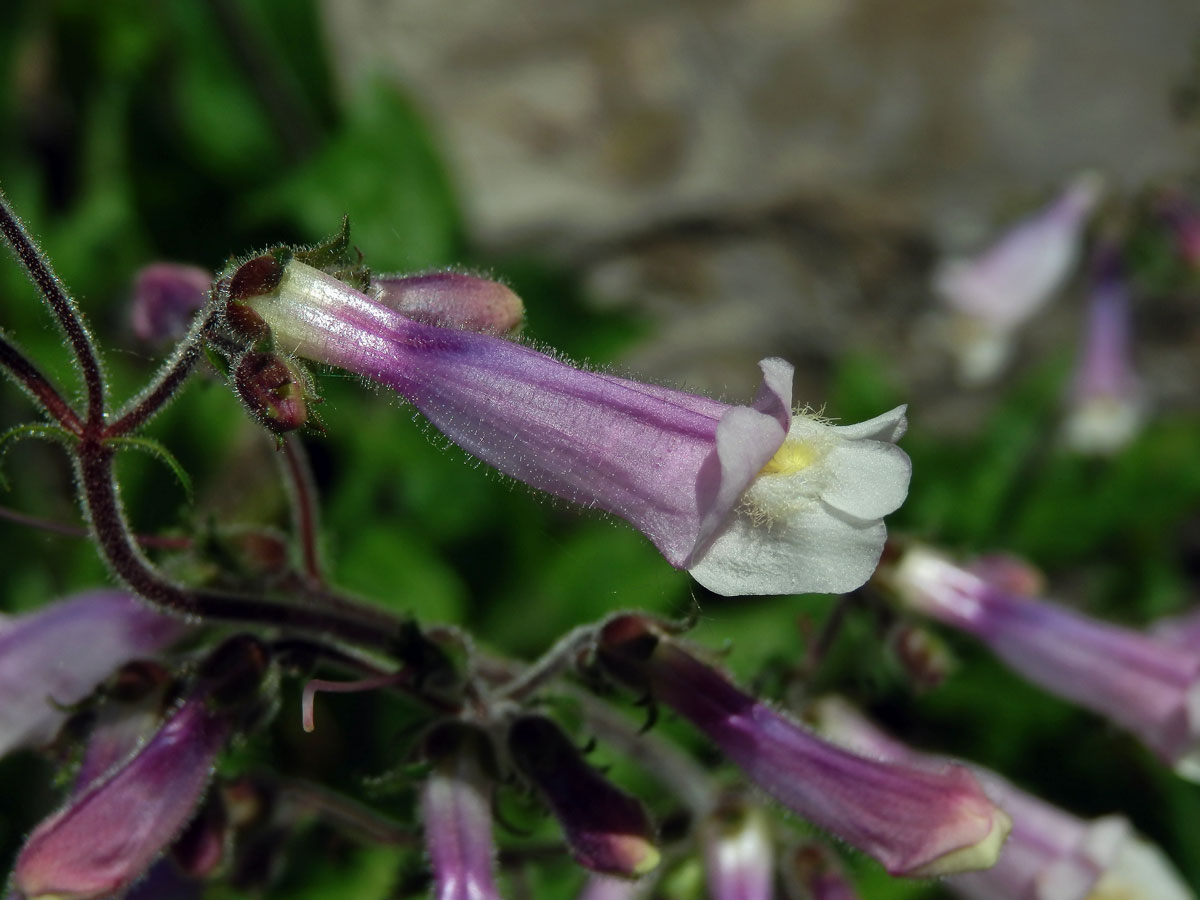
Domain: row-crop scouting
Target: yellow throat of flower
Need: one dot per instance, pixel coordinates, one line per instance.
(794, 456)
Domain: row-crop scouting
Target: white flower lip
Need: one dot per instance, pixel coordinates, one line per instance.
(812, 522)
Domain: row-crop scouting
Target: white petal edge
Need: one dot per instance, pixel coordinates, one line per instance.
(868, 479)
(815, 549)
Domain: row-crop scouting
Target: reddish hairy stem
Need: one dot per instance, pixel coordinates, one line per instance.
(302, 493)
(69, 318)
(38, 387)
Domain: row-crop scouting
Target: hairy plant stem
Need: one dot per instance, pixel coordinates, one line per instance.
(113, 538)
(38, 387)
(301, 491)
(37, 266)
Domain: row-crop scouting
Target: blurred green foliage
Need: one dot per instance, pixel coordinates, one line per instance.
(138, 132)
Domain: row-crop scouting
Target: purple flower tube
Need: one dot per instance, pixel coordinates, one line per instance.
(111, 832)
(58, 655)
(749, 499)
(1106, 398)
(1050, 854)
(165, 297)
(457, 811)
(916, 822)
(1148, 685)
(739, 853)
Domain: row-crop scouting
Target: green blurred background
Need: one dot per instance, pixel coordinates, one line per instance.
(192, 131)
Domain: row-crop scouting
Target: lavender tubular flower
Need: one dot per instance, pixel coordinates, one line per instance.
(1050, 855)
(749, 499)
(995, 293)
(915, 822)
(58, 655)
(456, 808)
(1106, 400)
(606, 829)
(110, 833)
(739, 856)
(605, 887)
(1146, 684)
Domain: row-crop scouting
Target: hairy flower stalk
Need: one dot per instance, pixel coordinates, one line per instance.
(58, 655)
(916, 822)
(749, 499)
(456, 808)
(607, 830)
(1148, 685)
(110, 832)
(739, 853)
(1051, 854)
(996, 292)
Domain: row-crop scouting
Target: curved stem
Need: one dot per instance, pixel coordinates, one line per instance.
(166, 383)
(69, 318)
(116, 544)
(302, 494)
(38, 386)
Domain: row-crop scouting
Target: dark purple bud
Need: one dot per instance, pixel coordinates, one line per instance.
(165, 297)
(58, 655)
(607, 830)
(273, 390)
(200, 849)
(916, 822)
(108, 835)
(812, 873)
(457, 811)
(452, 299)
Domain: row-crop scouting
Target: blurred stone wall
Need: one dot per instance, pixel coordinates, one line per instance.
(774, 176)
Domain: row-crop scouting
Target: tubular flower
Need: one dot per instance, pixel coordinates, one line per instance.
(1106, 400)
(165, 297)
(108, 835)
(995, 293)
(1147, 684)
(739, 856)
(607, 830)
(1051, 854)
(750, 499)
(58, 655)
(457, 811)
(916, 822)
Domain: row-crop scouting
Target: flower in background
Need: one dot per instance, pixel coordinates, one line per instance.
(916, 822)
(58, 655)
(456, 808)
(993, 294)
(1148, 685)
(1051, 854)
(1183, 218)
(750, 499)
(165, 297)
(1106, 405)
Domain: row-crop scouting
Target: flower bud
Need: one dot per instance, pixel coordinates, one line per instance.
(108, 834)
(165, 297)
(812, 873)
(273, 390)
(606, 829)
(916, 822)
(452, 299)
(1051, 854)
(200, 849)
